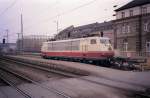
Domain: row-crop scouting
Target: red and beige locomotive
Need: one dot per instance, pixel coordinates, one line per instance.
(89, 48)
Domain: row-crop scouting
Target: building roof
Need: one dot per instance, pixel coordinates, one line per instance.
(133, 3)
(83, 30)
(92, 25)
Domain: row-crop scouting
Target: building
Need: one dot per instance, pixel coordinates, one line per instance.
(31, 43)
(105, 29)
(132, 27)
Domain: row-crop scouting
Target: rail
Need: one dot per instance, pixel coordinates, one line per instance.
(60, 93)
(15, 87)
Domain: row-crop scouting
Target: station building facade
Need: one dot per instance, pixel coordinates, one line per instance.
(132, 27)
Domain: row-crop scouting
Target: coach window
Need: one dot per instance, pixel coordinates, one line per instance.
(93, 41)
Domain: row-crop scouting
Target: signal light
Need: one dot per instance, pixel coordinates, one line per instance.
(4, 41)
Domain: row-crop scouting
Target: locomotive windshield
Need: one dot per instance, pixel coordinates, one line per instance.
(105, 41)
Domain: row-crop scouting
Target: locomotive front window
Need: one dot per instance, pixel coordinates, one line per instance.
(105, 41)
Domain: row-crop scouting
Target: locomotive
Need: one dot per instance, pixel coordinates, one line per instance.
(83, 49)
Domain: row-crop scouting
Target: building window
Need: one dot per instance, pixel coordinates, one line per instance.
(144, 10)
(136, 26)
(125, 44)
(146, 26)
(123, 28)
(131, 13)
(147, 46)
(128, 29)
(118, 30)
(123, 14)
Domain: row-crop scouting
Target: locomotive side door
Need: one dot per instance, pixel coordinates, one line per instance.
(84, 45)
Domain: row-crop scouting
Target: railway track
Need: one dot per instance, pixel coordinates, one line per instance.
(39, 66)
(57, 92)
(136, 93)
(11, 80)
(58, 72)
(60, 93)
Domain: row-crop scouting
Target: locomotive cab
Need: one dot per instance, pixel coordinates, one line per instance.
(105, 44)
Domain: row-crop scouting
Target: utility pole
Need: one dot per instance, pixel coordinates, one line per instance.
(22, 32)
(18, 43)
(56, 26)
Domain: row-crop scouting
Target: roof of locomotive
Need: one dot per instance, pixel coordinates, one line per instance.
(76, 39)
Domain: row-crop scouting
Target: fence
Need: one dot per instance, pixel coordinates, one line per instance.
(134, 54)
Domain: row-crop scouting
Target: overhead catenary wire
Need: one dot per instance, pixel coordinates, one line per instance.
(7, 8)
(10, 6)
(53, 17)
(13, 3)
(61, 14)
(50, 6)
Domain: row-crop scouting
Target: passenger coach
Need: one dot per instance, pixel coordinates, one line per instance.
(90, 48)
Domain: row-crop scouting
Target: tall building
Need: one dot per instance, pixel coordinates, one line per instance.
(132, 26)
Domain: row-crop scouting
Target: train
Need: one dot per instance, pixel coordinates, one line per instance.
(97, 50)
(82, 49)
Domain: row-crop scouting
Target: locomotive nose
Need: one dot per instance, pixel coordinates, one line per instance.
(109, 48)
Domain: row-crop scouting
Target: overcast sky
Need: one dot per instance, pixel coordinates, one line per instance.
(40, 16)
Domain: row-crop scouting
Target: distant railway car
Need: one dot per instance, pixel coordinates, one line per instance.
(90, 48)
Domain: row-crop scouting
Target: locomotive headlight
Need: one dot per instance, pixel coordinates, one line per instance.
(109, 48)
